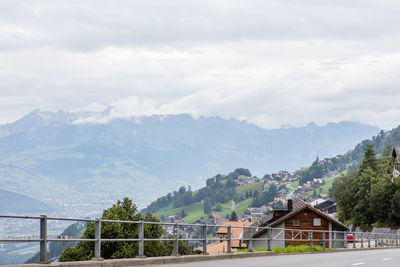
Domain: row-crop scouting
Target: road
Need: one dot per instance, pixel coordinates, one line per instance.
(380, 257)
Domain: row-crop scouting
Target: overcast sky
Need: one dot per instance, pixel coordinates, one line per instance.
(272, 63)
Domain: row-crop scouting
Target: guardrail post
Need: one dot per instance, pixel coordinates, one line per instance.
(205, 239)
(334, 240)
(176, 243)
(250, 245)
(141, 239)
(43, 238)
(362, 240)
(97, 237)
(311, 241)
(354, 240)
(323, 240)
(269, 234)
(229, 239)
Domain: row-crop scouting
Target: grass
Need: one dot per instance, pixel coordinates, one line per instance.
(241, 190)
(324, 189)
(295, 184)
(298, 249)
(256, 249)
(291, 249)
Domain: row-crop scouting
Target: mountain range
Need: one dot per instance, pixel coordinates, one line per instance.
(82, 162)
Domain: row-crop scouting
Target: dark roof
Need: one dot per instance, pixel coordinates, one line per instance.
(298, 203)
(325, 205)
(266, 218)
(300, 206)
(396, 151)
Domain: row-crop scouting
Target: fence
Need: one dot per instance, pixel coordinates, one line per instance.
(331, 239)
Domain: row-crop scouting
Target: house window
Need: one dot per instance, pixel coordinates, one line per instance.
(317, 221)
(296, 221)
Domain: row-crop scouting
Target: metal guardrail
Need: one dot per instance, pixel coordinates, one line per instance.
(300, 236)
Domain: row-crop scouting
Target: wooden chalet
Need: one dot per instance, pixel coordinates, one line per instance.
(290, 222)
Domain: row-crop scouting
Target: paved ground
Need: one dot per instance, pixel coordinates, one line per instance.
(380, 258)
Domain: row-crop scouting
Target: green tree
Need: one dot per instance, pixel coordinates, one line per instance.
(183, 214)
(362, 212)
(380, 199)
(394, 214)
(218, 207)
(343, 192)
(207, 207)
(314, 193)
(126, 211)
(369, 159)
(233, 217)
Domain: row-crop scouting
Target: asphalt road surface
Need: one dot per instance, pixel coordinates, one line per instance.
(380, 258)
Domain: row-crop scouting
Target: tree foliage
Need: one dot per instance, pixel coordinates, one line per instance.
(233, 217)
(126, 211)
(265, 198)
(368, 197)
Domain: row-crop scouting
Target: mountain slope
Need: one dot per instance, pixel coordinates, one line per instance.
(11, 202)
(146, 157)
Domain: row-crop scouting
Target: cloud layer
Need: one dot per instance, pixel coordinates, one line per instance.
(273, 63)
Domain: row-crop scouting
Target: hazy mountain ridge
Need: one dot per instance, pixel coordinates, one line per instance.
(11, 202)
(146, 157)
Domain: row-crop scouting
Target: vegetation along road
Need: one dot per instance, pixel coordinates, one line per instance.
(379, 257)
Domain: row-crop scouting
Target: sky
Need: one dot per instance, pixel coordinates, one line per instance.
(274, 63)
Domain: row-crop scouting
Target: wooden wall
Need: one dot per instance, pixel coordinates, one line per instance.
(306, 223)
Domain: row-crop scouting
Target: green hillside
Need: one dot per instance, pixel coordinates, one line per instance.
(216, 197)
(195, 211)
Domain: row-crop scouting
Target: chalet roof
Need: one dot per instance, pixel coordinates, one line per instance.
(236, 230)
(396, 151)
(224, 230)
(298, 206)
(215, 216)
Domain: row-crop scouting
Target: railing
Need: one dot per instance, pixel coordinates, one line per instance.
(331, 239)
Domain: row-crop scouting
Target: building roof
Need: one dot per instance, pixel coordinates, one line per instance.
(236, 231)
(299, 206)
(317, 202)
(224, 230)
(217, 248)
(215, 216)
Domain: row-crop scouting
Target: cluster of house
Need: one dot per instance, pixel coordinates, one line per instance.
(256, 213)
(310, 184)
(289, 226)
(247, 180)
(282, 176)
(285, 176)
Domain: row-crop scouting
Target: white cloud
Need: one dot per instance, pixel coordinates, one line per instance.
(272, 63)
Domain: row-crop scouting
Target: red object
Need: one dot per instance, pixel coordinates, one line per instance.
(350, 238)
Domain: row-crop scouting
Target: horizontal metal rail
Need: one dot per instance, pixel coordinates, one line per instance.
(333, 239)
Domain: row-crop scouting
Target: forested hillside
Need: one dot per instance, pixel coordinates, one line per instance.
(352, 159)
(370, 196)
